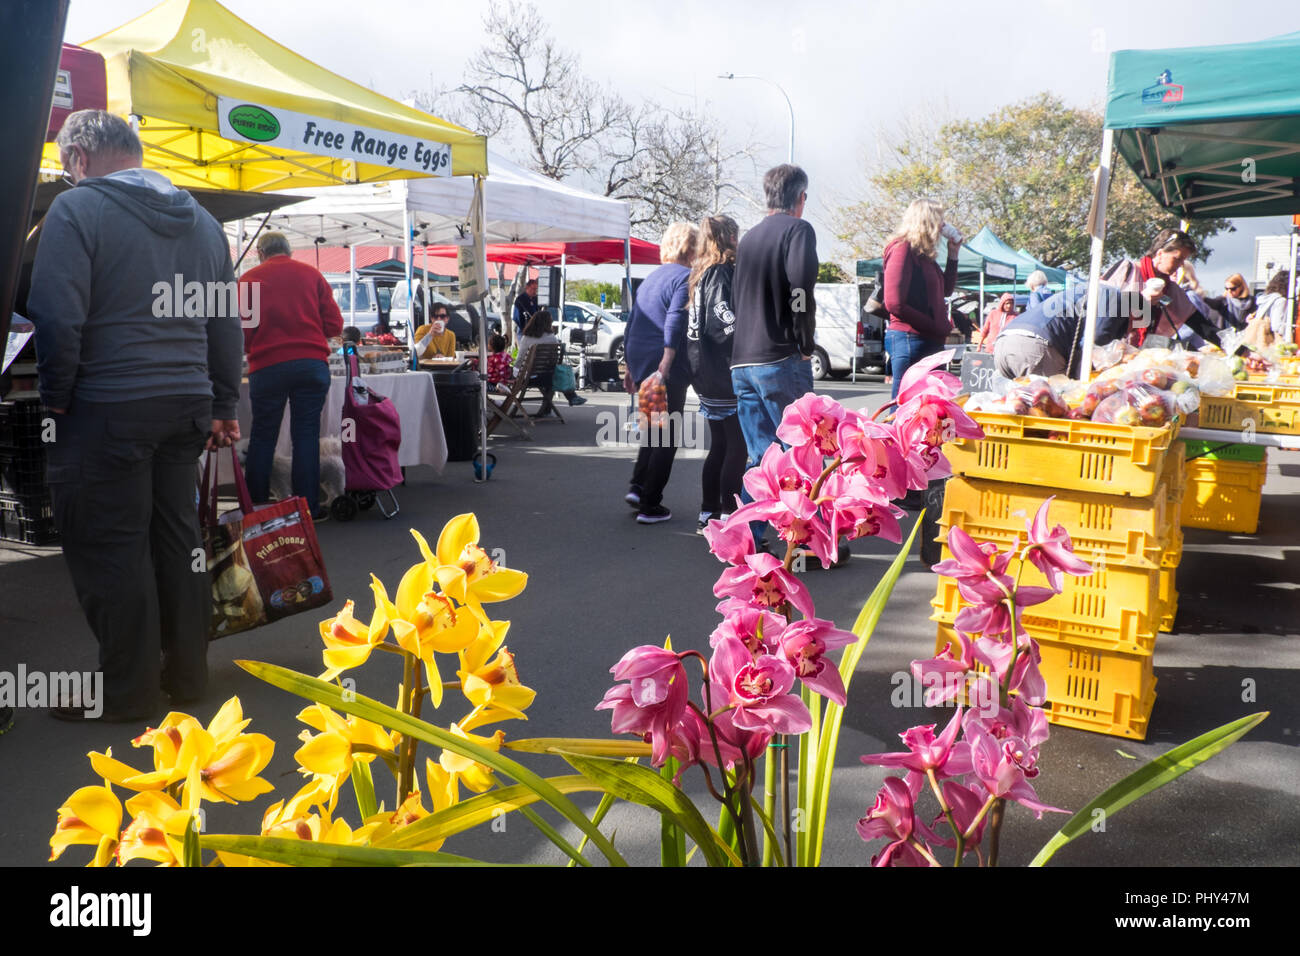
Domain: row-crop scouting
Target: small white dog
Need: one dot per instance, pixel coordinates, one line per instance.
(332, 478)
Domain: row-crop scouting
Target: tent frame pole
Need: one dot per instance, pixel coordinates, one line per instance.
(410, 290)
(1098, 249)
(352, 284)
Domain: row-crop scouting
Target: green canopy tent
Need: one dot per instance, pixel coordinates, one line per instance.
(1209, 131)
(986, 243)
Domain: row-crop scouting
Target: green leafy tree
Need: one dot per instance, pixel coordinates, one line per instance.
(1026, 171)
(832, 272)
(589, 290)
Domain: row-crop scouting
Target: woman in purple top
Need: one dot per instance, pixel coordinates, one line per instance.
(915, 289)
(654, 344)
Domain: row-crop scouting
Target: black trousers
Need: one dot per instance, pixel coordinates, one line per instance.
(724, 467)
(123, 480)
(654, 461)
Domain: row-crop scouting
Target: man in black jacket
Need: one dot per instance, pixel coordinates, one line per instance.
(138, 342)
(776, 273)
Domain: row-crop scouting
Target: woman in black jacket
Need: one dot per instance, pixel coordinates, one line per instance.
(709, 330)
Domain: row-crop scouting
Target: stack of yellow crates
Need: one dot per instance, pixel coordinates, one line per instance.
(1225, 485)
(1118, 490)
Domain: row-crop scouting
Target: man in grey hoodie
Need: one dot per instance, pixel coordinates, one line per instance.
(138, 354)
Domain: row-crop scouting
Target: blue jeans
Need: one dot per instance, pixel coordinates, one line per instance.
(905, 350)
(304, 384)
(762, 394)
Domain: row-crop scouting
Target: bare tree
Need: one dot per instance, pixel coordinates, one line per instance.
(522, 81)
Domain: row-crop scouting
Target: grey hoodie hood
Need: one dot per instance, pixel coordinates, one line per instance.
(163, 208)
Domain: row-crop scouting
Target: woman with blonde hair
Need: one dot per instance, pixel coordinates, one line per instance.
(915, 288)
(710, 331)
(654, 346)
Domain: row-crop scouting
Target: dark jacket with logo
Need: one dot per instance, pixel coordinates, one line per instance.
(710, 330)
(125, 301)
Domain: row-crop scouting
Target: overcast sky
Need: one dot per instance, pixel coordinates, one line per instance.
(850, 68)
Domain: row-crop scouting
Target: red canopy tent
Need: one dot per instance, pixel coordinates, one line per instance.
(592, 253)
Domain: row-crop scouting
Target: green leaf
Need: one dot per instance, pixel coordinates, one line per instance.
(642, 785)
(598, 747)
(306, 853)
(552, 834)
(1168, 766)
(476, 811)
(772, 840)
(815, 823)
(363, 785)
(672, 839)
(602, 808)
(191, 852)
(331, 695)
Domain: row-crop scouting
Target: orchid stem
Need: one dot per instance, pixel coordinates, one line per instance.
(769, 802)
(920, 848)
(979, 816)
(786, 816)
(995, 829)
(947, 812)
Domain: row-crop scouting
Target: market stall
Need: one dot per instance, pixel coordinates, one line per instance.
(986, 243)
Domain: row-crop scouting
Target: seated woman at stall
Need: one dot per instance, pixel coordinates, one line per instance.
(435, 340)
(537, 331)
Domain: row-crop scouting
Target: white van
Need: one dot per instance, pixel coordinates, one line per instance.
(845, 333)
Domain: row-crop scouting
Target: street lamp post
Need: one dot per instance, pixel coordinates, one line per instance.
(788, 105)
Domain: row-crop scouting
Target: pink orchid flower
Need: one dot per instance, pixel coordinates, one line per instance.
(971, 559)
(805, 645)
(893, 818)
(1022, 721)
(758, 690)
(780, 470)
(943, 754)
(653, 700)
(965, 803)
(758, 629)
(927, 375)
(1052, 552)
(763, 581)
(860, 508)
(944, 676)
(1005, 766)
(731, 541)
(812, 420)
(1026, 676)
(797, 521)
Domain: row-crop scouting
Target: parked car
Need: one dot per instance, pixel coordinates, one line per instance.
(601, 331)
(846, 333)
(373, 304)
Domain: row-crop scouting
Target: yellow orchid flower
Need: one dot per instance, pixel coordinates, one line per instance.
(492, 684)
(92, 816)
(474, 775)
(156, 831)
(430, 625)
(348, 642)
(290, 818)
(329, 754)
(464, 571)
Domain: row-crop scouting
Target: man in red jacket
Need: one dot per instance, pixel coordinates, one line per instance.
(286, 339)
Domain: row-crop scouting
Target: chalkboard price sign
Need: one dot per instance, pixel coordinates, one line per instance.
(977, 371)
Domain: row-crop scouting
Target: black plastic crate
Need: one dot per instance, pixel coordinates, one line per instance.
(22, 474)
(20, 426)
(28, 519)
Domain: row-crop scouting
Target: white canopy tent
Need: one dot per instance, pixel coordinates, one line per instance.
(518, 206)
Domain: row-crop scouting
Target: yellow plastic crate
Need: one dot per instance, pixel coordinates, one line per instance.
(1174, 477)
(1274, 409)
(1129, 531)
(1223, 495)
(1114, 609)
(1105, 692)
(1060, 453)
(1168, 600)
(1173, 553)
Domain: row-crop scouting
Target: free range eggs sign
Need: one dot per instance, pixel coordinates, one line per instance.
(271, 126)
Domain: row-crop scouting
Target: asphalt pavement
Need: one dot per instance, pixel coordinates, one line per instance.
(599, 583)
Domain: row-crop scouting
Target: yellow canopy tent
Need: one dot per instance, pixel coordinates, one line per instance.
(223, 106)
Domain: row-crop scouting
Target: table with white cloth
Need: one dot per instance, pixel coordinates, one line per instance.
(412, 394)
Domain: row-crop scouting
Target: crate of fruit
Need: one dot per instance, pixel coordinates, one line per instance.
(1263, 407)
(1064, 453)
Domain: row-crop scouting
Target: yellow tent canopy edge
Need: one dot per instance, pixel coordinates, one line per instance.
(177, 64)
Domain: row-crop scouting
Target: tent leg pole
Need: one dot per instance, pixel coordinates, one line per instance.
(1098, 249)
(410, 291)
(1291, 287)
(352, 284)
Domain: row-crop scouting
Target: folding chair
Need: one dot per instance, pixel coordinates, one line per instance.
(504, 410)
(542, 361)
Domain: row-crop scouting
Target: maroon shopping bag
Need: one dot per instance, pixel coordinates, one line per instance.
(265, 562)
